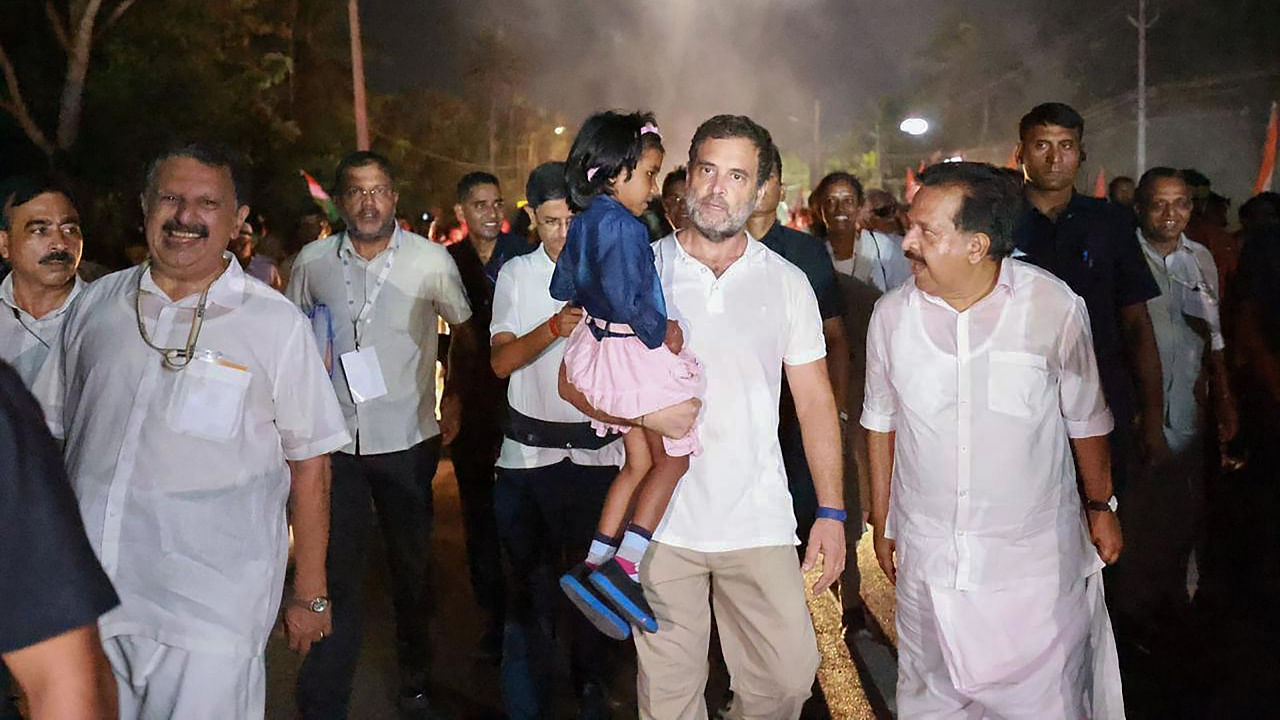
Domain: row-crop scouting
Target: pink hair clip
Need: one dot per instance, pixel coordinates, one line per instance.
(650, 128)
(591, 172)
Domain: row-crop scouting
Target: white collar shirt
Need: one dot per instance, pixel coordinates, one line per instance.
(744, 326)
(182, 476)
(422, 284)
(24, 339)
(522, 302)
(983, 403)
(1185, 319)
(877, 259)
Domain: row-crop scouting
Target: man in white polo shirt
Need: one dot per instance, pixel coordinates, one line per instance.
(194, 405)
(553, 471)
(40, 237)
(384, 287)
(729, 532)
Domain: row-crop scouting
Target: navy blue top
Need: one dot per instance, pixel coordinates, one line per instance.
(1093, 248)
(807, 253)
(606, 267)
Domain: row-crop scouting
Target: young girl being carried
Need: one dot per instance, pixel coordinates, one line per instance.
(626, 357)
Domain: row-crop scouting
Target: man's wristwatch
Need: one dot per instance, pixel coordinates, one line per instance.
(1109, 505)
(318, 604)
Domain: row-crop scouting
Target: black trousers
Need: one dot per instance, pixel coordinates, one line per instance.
(474, 453)
(546, 519)
(396, 489)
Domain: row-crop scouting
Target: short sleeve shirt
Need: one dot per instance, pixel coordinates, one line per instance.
(1092, 248)
(422, 284)
(52, 582)
(759, 315)
(25, 340)
(182, 476)
(807, 253)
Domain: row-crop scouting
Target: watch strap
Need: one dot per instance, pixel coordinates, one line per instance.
(826, 513)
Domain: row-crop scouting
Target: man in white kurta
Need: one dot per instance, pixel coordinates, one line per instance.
(981, 380)
(194, 405)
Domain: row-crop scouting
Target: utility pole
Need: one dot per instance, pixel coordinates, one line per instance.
(357, 76)
(1142, 24)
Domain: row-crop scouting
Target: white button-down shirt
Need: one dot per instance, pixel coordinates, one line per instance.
(983, 403)
(521, 302)
(24, 339)
(190, 529)
(744, 326)
(423, 284)
(877, 260)
(1188, 280)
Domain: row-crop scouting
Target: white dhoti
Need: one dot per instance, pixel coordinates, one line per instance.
(1033, 651)
(160, 682)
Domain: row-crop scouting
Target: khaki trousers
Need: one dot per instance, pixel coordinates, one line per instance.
(765, 632)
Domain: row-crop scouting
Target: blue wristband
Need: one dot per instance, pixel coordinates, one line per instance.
(832, 514)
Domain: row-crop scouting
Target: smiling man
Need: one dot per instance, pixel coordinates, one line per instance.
(40, 238)
(194, 404)
(981, 384)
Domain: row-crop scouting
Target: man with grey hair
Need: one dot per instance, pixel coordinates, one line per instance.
(729, 530)
(194, 406)
(981, 381)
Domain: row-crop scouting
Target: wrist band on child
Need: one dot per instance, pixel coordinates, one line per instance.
(826, 513)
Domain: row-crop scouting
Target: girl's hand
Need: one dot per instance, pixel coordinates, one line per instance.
(567, 319)
(675, 337)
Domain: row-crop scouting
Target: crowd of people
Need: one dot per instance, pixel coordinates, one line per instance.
(658, 392)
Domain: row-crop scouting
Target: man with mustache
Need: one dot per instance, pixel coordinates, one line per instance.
(729, 530)
(40, 238)
(982, 400)
(195, 410)
(386, 289)
(1090, 245)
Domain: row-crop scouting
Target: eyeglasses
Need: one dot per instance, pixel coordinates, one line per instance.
(884, 211)
(377, 192)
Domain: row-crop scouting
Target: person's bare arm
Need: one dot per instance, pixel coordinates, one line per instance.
(309, 513)
(1224, 401)
(462, 356)
(838, 362)
(1144, 361)
(510, 353)
(66, 677)
(820, 430)
(1093, 459)
(880, 457)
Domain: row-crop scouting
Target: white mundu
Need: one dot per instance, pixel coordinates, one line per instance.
(998, 585)
(182, 475)
(25, 340)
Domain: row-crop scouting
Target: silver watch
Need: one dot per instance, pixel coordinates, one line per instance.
(318, 604)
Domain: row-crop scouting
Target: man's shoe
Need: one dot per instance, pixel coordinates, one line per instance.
(625, 594)
(579, 591)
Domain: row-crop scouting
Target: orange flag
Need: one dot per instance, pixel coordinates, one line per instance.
(912, 186)
(1268, 168)
(1100, 184)
(1012, 163)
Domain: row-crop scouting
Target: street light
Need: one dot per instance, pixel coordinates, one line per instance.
(559, 130)
(914, 126)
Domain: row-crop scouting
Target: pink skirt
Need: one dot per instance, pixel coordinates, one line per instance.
(624, 378)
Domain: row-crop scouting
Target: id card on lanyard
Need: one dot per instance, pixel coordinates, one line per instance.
(361, 367)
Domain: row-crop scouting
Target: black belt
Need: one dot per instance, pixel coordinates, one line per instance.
(548, 434)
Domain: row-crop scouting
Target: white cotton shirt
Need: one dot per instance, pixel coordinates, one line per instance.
(744, 326)
(521, 303)
(24, 339)
(423, 284)
(984, 403)
(877, 259)
(190, 529)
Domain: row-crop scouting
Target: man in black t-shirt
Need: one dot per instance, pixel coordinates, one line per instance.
(51, 585)
(1092, 246)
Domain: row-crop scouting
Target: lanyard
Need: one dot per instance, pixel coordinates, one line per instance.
(18, 316)
(173, 358)
(362, 316)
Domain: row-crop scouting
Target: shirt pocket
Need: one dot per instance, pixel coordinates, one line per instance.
(208, 399)
(1017, 383)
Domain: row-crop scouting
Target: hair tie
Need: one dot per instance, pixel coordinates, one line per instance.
(591, 172)
(650, 128)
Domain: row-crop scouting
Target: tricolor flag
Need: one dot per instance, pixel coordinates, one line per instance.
(912, 186)
(1100, 184)
(321, 197)
(1267, 169)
